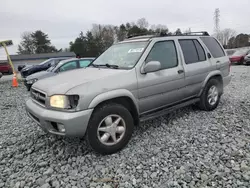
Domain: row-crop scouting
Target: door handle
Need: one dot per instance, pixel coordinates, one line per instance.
(217, 61)
(180, 71)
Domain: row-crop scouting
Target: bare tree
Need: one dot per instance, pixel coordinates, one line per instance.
(187, 30)
(142, 23)
(104, 34)
(225, 35)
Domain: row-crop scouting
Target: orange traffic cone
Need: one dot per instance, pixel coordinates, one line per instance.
(14, 81)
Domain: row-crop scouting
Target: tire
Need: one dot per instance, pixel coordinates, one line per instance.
(94, 136)
(10, 72)
(241, 61)
(204, 99)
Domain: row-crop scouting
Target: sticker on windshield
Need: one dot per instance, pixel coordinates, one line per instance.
(136, 50)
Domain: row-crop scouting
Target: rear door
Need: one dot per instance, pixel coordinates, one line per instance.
(219, 58)
(196, 65)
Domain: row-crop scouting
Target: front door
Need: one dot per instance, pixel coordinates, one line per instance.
(164, 87)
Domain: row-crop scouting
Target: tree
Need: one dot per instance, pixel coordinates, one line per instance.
(178, 32)
(225, 35)
(42, 42)
(142, 23)
(159, 28)
(241, 40)
(36, 42)
(104, 35)
(26, 46)
(188, 30)
(101, 37)
(231, 43)
(79, 45)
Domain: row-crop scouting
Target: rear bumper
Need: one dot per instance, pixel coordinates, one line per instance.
(75, 123)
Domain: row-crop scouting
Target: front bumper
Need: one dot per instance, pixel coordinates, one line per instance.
(75, 123)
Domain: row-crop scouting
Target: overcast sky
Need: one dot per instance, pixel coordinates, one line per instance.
(62, 20)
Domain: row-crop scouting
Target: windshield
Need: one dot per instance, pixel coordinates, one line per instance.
(123, 55)
(44, 62)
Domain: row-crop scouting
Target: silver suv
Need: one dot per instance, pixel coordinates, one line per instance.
(134, 80)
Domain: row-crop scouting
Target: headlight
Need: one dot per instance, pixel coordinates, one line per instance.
(59, 101)
(32, 81)
(63, 101)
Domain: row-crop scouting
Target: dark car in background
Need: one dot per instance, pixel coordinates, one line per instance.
(247, 59)
(62, 66)
(239, 56)
(5, 68)
(31, 69)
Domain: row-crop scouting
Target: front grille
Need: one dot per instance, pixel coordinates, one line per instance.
(38, 96)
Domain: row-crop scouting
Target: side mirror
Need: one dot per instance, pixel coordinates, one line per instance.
(151, 66)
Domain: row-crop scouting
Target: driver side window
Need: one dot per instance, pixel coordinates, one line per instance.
(165, 53)
(68, 66)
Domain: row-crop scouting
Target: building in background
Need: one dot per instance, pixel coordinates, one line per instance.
(33, 59)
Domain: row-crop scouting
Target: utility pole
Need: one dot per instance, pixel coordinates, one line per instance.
(217, 22)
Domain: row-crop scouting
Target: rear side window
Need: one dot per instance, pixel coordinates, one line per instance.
(213, 46)
(192, 51)
(200, 51)
(189, 51)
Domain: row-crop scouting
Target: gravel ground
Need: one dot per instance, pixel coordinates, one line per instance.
(187, 148)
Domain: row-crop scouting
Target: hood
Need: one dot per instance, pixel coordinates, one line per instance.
(63, 82)
(40, 75)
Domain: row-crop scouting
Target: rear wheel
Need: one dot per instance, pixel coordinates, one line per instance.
(110, 128)
(211, 94)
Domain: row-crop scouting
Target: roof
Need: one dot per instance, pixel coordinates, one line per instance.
(41, 56)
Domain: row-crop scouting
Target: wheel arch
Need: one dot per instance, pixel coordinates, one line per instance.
(123, 97)
(215, 74)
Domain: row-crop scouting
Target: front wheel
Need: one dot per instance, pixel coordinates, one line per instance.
(210, 96)
(110, 128)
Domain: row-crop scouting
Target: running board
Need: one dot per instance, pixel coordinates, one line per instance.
(167, 110)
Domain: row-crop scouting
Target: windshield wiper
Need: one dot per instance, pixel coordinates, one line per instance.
(106, 65)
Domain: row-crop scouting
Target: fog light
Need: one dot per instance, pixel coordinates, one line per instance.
(61, 128)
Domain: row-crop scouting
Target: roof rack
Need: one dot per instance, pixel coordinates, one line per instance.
(202, 33)
(164, 34)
